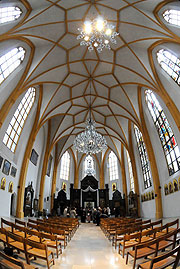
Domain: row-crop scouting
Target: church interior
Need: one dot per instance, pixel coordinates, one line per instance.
(90, 123)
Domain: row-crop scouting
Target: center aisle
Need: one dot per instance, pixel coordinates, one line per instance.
(90, 249)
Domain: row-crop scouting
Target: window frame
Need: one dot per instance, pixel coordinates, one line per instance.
(65, 174)
(4, 62)
(113, 167)
(162, 126)
(130, 170)
(13, 16)
(145, 165)
(168, 64)
(169, 10)
(18, 120)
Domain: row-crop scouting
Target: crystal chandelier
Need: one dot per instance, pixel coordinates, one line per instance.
(90, 141)
(97, 34)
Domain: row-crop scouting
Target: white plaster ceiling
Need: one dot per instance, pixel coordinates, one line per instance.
(65, 69)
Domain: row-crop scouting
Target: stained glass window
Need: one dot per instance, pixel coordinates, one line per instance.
(131, 177)
(10, 61)
(9, 14)
(144, 158)
(170, 63)
(113, 166)
(17, 122)
(65, 166)
(166, 135)
(172, 16)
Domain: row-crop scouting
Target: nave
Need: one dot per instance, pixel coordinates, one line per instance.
(89, 248)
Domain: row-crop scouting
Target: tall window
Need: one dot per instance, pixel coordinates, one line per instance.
(9, 14)
(113, 166)
(166, 135)
(10, 61)
(170, 63)
(144, 158)
(16, 124)
(172, 16)
(65, 166)
(131, 177)
(89, 166)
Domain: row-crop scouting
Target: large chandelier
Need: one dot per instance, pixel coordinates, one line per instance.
(90, 141)
(97, 34)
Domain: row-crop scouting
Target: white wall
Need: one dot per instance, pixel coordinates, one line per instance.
(14, 158)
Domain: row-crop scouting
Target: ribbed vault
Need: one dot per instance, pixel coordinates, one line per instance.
(66, 69)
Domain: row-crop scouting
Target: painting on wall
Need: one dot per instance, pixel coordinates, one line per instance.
(64, 186)
(175, 185)
(179, 183)
(170, 185)
(166, 190)
(3, 183)
(34, 157)
(6, 167)
(13, 171)
(49, 165)
(1, 161)
(10, 189)
(113, 186)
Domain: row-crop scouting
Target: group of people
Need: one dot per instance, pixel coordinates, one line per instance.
(90, 214)
(94, 214)
(70, 212)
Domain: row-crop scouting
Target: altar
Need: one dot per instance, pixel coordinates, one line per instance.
(89, 191)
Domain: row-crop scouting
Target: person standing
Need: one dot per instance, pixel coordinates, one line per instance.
(83, 216)
(65, 212)
(98, 214)
(94, 212)
(108, 211)
(73, 213)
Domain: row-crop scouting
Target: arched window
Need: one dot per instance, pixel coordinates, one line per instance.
(172, 16)
(144, 158)
(9, 14)
(89, 166)
(65, 166)
(113, 166)
(10, 61)
(166, 135)
(170, 63)
(16, 124)
(131, 177)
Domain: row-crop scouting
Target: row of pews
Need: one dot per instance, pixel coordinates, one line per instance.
(36, 239)
(142, 239)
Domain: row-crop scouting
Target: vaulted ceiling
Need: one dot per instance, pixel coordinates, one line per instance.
(66, 69)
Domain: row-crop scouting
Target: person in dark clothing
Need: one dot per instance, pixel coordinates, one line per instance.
(98, 214)
(116, 212)
(94, 212)
(83, 216)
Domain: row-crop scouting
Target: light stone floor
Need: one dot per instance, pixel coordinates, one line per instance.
(88, 249)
